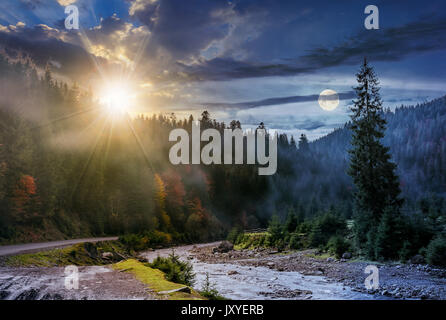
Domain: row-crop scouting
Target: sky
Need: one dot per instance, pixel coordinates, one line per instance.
(250, 60)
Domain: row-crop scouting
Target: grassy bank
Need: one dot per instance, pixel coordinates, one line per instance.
(156, 280)
(83, 254)
(253, 240)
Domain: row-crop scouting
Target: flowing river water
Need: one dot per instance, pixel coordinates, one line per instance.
(235, 281)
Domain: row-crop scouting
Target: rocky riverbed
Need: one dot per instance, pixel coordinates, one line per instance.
(396, 281)
(234, 278)
(237, 274)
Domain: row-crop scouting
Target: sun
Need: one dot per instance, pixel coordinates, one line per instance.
(116, 98)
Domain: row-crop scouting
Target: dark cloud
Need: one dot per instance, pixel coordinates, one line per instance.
(200, 40)
(44, 44)
(183, 28)
(228, 68)
(274, 101)
(391, 44)
(77, 54)
(31, 4)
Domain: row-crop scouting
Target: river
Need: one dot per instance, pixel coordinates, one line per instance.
(235, 281)
(232, 280)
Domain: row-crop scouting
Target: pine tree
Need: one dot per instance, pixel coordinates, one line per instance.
(275, 228)
(293, 142)
(389, 236)
(48, 78)
(291, 221)
(372, 171)
(303, 143)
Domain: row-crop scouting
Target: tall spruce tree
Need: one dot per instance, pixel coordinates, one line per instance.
(377, 185)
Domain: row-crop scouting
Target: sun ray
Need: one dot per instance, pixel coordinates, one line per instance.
(139, 54)
(87, 46)
(68, 116)
(90, 157)
(109, 139)
(90, 125)
(141, 146)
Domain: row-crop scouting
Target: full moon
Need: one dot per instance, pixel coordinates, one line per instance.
(328, 100)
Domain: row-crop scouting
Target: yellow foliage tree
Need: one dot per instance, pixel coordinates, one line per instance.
(160, 200)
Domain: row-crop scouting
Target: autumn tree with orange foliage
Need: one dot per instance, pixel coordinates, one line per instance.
(198, 220)
(25, 201)
(175, 203)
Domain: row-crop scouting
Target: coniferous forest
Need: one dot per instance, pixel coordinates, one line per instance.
(68, 170)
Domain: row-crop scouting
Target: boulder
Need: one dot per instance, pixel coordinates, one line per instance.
(347, 255)
(231, 272)
(107, 255)
(417, 259)
(224, 247)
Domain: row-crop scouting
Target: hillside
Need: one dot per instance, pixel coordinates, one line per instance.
(68, 170)
(416, 136)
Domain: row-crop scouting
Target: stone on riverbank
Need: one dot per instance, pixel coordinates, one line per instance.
(223, 247)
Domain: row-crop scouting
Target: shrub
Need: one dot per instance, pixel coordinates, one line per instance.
(209, 291)
(406, 251)
(275, 228)
(304, 227)
(240, 238)
(132, 242)
(176, 270)
(295, 242)
(267, 242)
(389, 236)
(234, 235)
(326, 226)
(280, 245)
(138, 242)
(436, 252)
(291, 222)
(254, 240)
(337, 245)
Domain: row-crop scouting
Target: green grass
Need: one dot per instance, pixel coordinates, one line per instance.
(265, 233)
(253, 240)
(155, 279)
